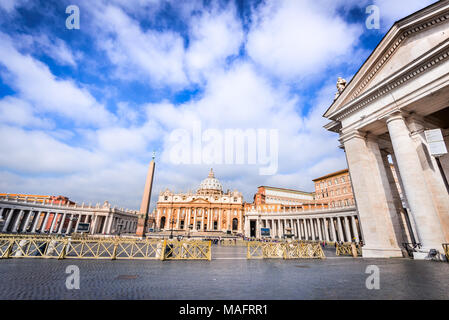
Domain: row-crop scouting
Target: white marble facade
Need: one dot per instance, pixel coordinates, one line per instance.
(401, 91)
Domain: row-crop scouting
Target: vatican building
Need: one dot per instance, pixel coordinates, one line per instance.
(209, 209)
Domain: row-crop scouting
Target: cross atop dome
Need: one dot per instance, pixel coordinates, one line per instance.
(211, 173)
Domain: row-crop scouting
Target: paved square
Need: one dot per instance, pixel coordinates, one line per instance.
(228, 276)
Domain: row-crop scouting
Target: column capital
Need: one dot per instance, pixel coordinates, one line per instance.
(394, 115)
(353, 134)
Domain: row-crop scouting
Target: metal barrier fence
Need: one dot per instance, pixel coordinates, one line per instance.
(106, 248)
(233, 243)
(446, 250)
(348, 249)
(284, 250)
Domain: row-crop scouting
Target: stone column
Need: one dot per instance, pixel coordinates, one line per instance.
(61, 225)
(399, 225)
(77, 222)
(333, 231)
(1, 213)
(341, 236)
(240, 220)
(8, 220)
(69, 226)
(219, 220)
(36, 221)
(229, 220)
(158, 218)
(354, 228)
(94, 225)
(105, 225)
(348, 230)
(312, 226)
(18, 219)
(320, 230)
(202, 220)
(326, 230)
(247, 231)
(373, 195)
(303, 228)
(428, 223)
(27, 221)
(168, 225)
(195, 213)
(178, 221)
(53, 222)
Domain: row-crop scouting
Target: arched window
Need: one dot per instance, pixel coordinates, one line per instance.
(235, 224)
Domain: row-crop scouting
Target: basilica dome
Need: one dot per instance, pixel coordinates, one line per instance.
(211, 183)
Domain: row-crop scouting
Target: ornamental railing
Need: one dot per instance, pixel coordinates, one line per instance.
(348, 249)
(284, 250)
(111, 249)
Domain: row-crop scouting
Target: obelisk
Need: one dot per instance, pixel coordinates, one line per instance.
(145, 205)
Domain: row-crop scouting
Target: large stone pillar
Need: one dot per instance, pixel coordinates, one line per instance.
(18, 219)
(8, 220)
(326, 230)
(416, 189)
(195, 213)
(27, 221)
(333, 231)
(341, 236)
(61, 224)
(399, 222)
(348, 230)
(354, 228)
(53, 222)
(36, 221)
(373, 196)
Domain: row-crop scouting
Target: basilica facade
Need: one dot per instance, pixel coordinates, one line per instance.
(208, 209)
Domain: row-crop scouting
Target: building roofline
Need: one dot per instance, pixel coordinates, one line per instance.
(290, 190)
(331, 174)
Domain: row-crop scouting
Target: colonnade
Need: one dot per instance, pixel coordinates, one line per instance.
(322, 226)
(30, 217)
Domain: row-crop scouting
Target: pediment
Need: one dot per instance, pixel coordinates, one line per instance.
(406, 42)
(200, 201)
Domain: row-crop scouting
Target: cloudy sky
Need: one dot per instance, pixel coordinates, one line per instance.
(82, 110)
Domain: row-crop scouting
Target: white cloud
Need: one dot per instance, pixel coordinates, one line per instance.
(156, 55)
(37, 152)
(19, 112)
(214, 36)
(34, 82)
(296, 39)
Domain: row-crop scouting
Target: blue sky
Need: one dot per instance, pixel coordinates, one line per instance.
(82, 110)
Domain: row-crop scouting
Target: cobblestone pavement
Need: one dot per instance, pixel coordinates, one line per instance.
(228, 276)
